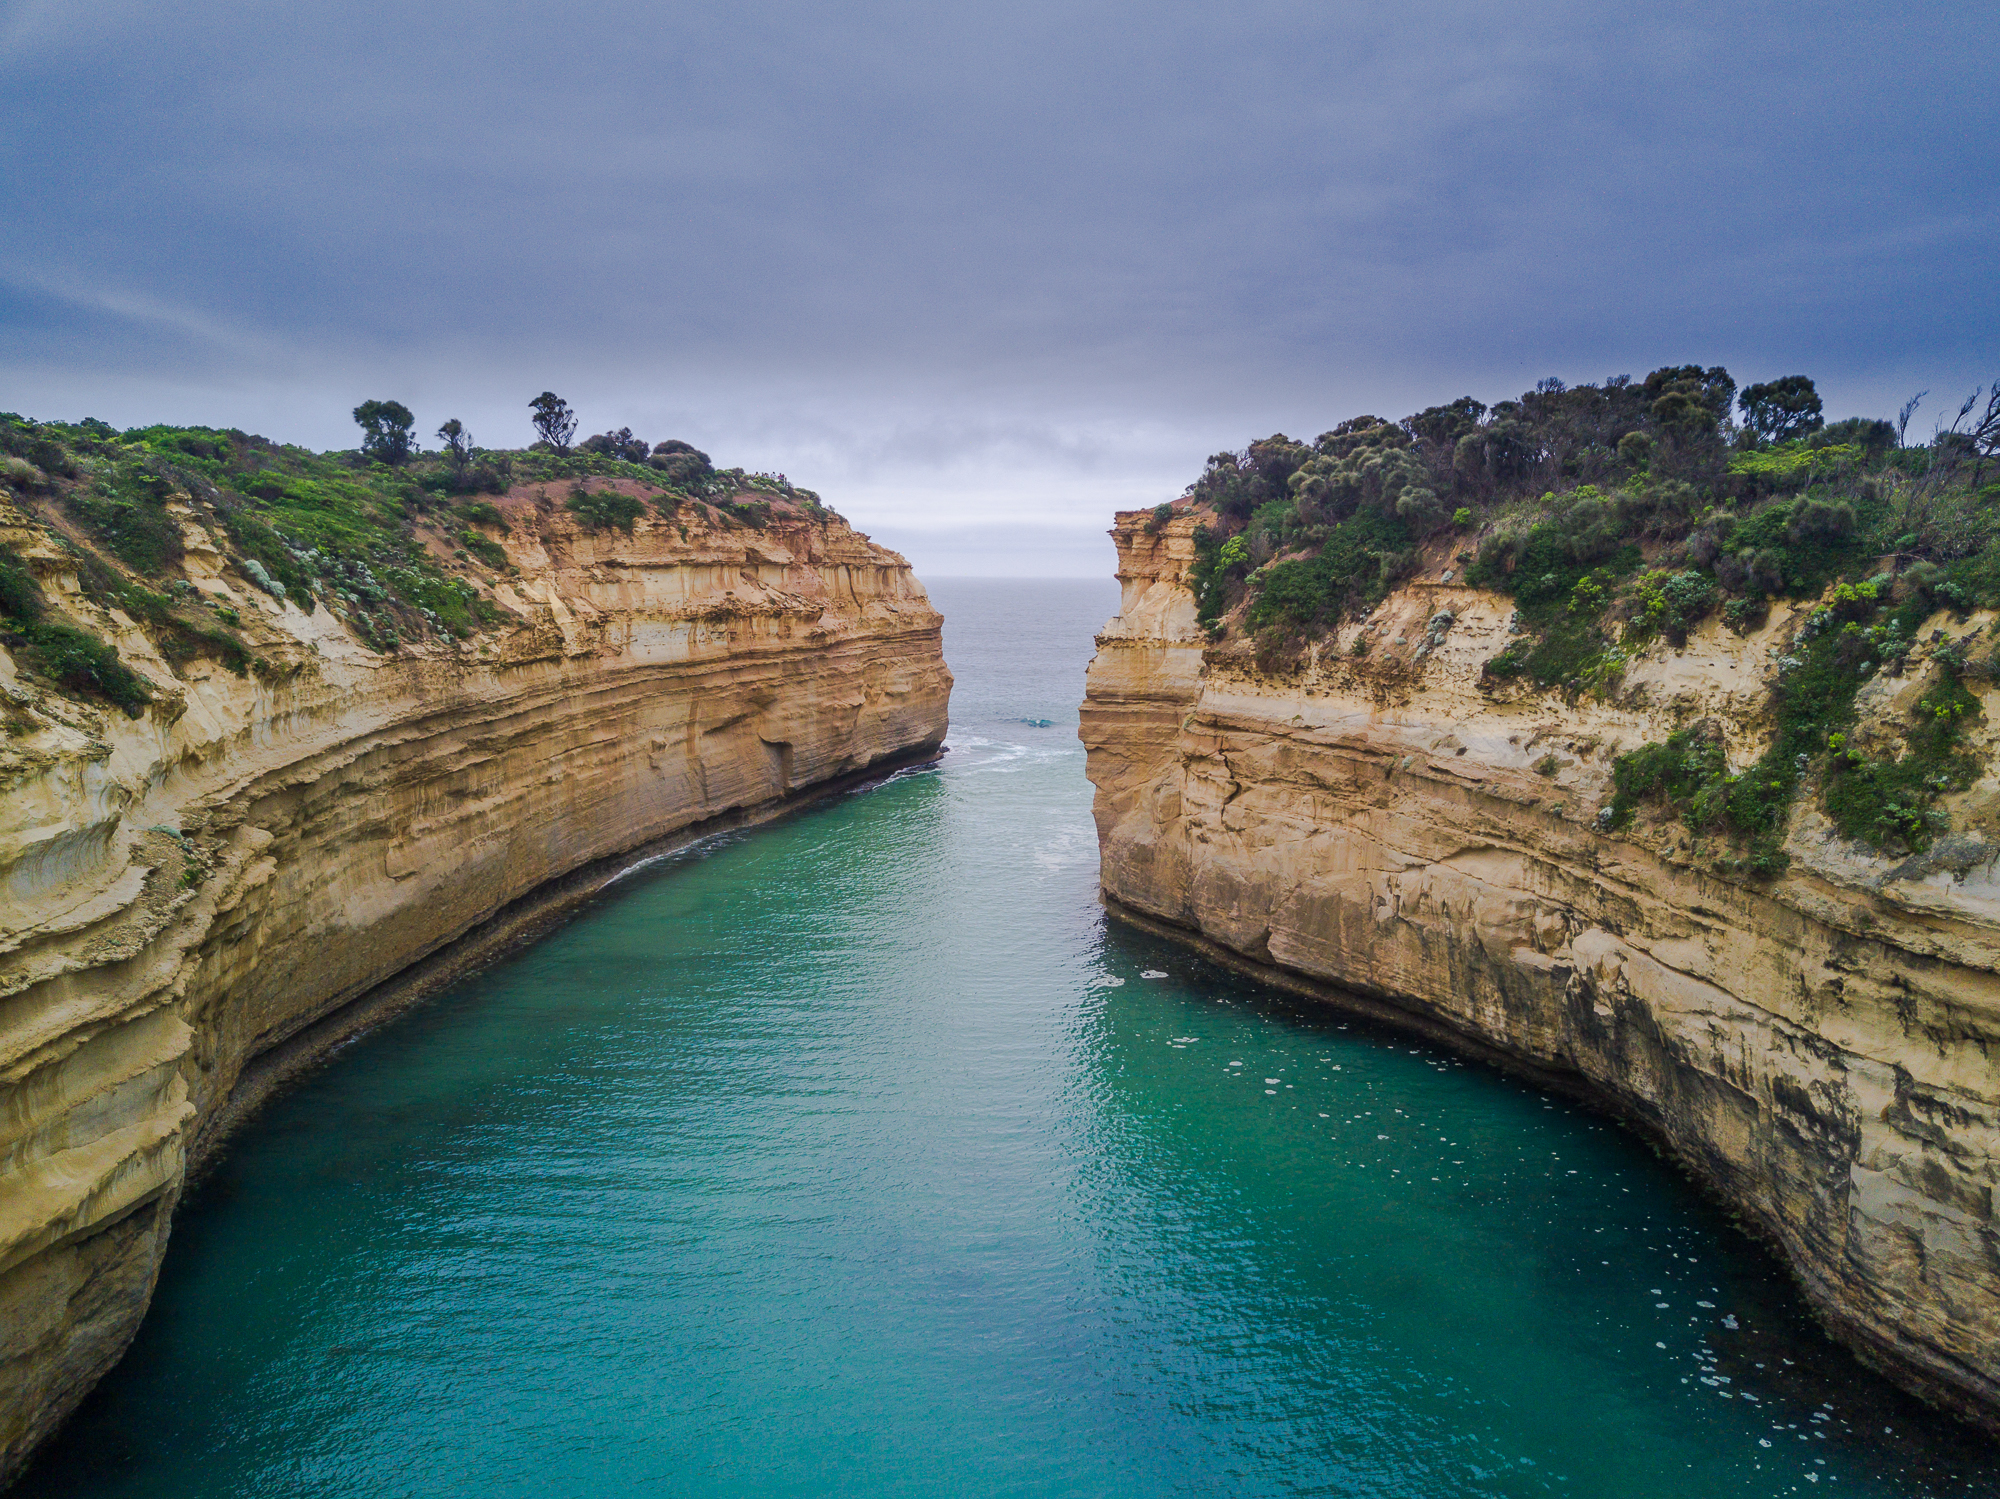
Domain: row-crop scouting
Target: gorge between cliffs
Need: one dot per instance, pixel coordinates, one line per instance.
(863, 1117)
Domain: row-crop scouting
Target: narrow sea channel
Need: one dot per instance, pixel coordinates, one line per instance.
(857, 1156)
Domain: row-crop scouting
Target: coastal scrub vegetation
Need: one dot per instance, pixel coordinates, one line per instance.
(1621, 514)
(400, 544)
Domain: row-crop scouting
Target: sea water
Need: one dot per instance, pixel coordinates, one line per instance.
(861, 1154)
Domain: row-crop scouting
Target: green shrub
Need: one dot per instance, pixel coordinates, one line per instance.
(600, 510)
(1870, 437)
(682, 465)
(126, 510)
(1878, 802)
(259, 543)
(1885, 802)
(74, 659)
(1562, 572)
(1689, 773)
(20, 594)
(1357, 563)
(1745, 615)
(80, 662)
(1206, 579)
(1795, 547)
(490, 552)
(179, 636)
(450, 604)
(1671, 602)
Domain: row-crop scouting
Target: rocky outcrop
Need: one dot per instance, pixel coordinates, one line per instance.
(201, 896)
(1370, 822)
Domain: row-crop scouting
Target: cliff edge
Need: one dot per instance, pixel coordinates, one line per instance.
(217, 857)
(1376, 817)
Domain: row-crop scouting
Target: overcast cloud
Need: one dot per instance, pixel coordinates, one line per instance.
(980, 275)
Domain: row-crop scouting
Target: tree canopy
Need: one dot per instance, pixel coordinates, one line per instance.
(555, 423)
(1780, 410)
(386, 430)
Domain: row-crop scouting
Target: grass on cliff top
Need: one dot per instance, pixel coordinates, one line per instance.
(317, 529)
(1536, 492)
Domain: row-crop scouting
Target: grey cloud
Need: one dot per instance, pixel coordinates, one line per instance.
(1067, 247)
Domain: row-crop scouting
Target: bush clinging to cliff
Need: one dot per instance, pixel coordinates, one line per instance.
(1357, 562)
(72, 658)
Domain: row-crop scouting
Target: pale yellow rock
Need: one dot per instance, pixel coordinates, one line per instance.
(1822, 1050)
(193, 901)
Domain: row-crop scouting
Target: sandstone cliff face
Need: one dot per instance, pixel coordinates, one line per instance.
(191, 890)
(1820, 1048)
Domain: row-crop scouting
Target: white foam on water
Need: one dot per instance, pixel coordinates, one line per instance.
(1006, 757)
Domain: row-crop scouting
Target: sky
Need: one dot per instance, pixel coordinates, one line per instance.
(981, 275)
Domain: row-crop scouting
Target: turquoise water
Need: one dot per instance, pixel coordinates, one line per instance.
(857, 1156)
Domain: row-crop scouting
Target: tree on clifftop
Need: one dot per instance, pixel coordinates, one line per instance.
(457, 444)
(1781, 409)
(554, 421)
(385, 430)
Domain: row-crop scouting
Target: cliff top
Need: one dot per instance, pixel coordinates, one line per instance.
(172, 531)
(1615, 519)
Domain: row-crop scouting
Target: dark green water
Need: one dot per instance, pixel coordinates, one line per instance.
(857, 1156)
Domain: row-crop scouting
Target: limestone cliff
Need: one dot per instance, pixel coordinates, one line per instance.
(202, 894)
(1383, 824)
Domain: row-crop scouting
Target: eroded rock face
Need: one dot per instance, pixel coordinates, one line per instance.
(189, 894)
(1820, 1049)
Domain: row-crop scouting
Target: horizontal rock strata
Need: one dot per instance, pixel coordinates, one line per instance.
(192, 891)
(1819, 1049)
